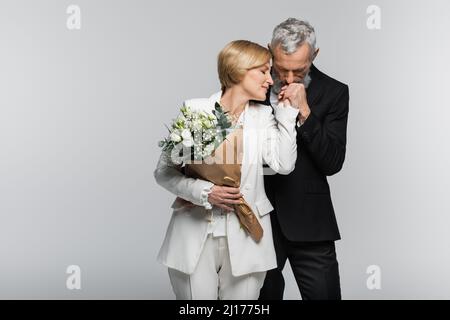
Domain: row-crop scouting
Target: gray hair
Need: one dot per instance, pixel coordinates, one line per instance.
(291, 34)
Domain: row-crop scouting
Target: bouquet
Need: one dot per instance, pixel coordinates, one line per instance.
(194, 135)
(210, 148)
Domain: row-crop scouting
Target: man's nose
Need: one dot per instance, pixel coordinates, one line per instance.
(289, 77)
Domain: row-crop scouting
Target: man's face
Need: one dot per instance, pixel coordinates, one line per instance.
(291, 68)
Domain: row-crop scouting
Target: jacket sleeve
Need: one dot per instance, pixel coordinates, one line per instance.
(169, 176)
(279, 147)
(326, 141)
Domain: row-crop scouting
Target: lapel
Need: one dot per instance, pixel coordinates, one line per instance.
(313, 91)
(250, 141)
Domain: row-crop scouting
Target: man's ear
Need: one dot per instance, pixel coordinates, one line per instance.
(315, 53)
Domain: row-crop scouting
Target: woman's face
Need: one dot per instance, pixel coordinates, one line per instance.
(256, 82)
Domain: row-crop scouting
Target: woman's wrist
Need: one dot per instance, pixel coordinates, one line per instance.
(286, 112)
(204, 196)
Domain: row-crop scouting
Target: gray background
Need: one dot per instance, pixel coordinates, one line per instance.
(81, 112)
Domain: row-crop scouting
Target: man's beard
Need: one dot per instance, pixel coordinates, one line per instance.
(278, 84)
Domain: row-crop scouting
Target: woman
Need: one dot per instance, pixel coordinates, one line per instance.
(214, 258)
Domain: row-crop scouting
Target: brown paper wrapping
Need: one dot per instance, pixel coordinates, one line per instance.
(223, 168)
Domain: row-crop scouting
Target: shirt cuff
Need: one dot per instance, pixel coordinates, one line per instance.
(287, 113)
(204, 198)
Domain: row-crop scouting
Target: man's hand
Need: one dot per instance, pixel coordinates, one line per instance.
(224, 197)
(296, 94)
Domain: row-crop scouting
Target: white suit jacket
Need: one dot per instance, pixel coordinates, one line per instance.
(266, 139)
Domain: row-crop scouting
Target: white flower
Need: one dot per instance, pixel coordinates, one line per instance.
(186, 111)
(186, 134)
(209, 149)
(197, 124)
(207, 124)
(208, 135)
(188, 141)
(192, 131)
(175, 137)
(179, 123)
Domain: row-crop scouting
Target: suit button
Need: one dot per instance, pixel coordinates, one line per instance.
(247, 187)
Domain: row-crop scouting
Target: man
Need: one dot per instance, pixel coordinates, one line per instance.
(303, 221)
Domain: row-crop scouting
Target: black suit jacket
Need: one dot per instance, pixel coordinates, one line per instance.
(302, 199)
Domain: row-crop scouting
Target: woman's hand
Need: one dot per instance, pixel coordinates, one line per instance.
(295, 93)
(224, 197)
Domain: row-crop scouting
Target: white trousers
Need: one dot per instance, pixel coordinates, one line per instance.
(212, 278)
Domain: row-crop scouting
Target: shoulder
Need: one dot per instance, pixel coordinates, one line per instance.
(197, 103)
(202, 103)
(326, 82)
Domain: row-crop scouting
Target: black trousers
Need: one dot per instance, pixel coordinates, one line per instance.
(314, 265)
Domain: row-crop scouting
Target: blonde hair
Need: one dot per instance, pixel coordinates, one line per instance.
(237, 58)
